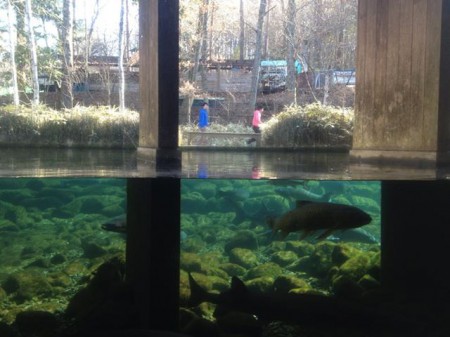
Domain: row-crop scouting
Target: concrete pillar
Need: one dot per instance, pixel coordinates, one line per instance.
(402, 107)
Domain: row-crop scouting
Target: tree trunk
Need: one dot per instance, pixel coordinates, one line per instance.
(121, 53)
(88, 36)
(204, 36)
(290, 39)
(201, 34)
(67, 40)
(241, 32)
(32, 46)
(12, 51)
(266, 54)
(257, 60)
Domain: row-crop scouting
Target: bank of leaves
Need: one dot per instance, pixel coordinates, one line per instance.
(96, 126)
(311, 125)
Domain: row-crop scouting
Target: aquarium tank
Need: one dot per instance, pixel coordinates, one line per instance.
(63, 244)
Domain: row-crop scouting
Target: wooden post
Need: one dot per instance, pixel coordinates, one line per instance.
(403, 73)
(158, 77)
(153, 214)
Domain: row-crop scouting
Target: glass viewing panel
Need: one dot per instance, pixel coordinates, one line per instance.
(227, 230)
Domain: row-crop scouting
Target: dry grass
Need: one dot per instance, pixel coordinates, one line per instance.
(81, 126)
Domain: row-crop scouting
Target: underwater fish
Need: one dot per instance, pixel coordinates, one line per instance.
(119, 225)
(300, 193)
(312, 216)
(354, 235)
(305, 309)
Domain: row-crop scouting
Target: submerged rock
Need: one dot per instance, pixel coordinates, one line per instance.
(268, 269)
(24, 286)
(285, 283)
(242, 239)
(243, 257)
(284, 258)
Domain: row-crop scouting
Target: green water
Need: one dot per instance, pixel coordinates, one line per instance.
(51, 241)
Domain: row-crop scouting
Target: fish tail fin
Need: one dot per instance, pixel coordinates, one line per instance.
(198, 294)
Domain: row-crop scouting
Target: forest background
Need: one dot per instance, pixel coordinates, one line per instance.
(61, 53)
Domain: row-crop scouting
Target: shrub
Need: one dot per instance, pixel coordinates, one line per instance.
(312, 125)
(81, 126)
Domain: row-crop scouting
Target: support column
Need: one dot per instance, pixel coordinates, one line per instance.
(158, 81)
(402, 106)
(416, 240)
(153, 250)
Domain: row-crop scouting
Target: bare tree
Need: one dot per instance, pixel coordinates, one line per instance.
(12, 51)
(241, 30)
(32, 46)
(67, 42)
(88, 31)
(204, 46)
(290, 48)
(257, 59)
(121, 54)
(200, 45)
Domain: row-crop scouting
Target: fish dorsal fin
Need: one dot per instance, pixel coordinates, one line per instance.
(300, 203)
(237, 285)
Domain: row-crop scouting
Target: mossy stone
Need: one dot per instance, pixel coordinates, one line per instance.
(193, 202)
(233, 269)
(190, 262)
(91, 205)
(3, 294)
(346, 287)
(301, 248)
(203, 281)
(341, 253)
(266, 269)
(368, 282)
(242, 239)
(284, 258)
(262, 284)
(58, 259)
(8, 226)
(92, 250)
(357, 266)
(243, 257)
(75, 268)
(276, 246)
(285, 283)
(28, 252)
(39, 263)
(26, 285)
